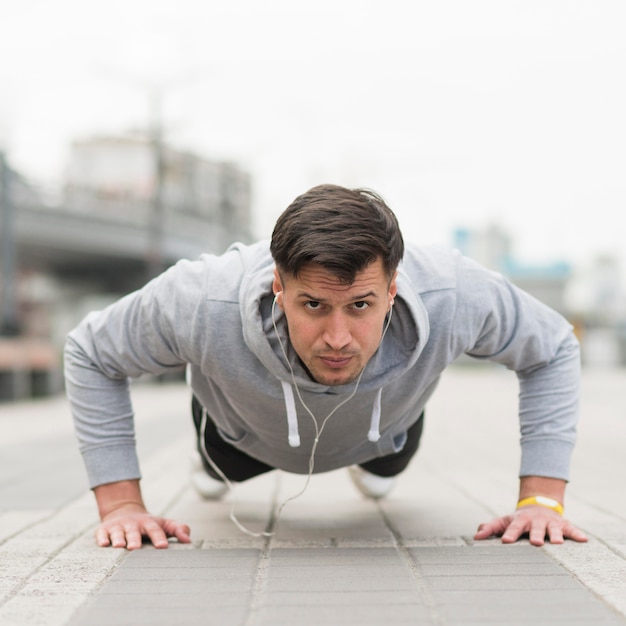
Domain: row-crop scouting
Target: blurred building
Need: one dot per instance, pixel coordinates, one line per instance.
(129, 209)
(29, 364)
(597, 295)
(124, 176)
(492, 247)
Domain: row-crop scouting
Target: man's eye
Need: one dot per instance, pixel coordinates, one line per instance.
(312, 304)
(361, 305)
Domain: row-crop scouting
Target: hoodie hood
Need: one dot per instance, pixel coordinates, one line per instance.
(265, 333)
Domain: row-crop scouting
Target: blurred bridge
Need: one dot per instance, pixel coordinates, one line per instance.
(117, 250)
(125, 214)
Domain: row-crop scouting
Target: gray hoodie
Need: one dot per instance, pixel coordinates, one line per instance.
(215, 314)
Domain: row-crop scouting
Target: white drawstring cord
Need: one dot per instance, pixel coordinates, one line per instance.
(292, 415)
(374, 433)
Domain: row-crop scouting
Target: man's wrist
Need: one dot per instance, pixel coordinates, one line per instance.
(112, 497)
(542, 491)
(549, 503)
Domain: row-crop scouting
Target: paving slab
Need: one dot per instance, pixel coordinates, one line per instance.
(329, 556)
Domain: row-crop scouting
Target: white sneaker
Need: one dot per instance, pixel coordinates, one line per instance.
(371, 485)
(208, 488)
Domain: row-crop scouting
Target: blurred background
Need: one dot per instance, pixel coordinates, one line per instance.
(134, 133)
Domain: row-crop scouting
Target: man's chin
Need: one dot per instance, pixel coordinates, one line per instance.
(334, 379)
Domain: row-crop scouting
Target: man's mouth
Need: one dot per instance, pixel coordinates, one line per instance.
(336, 362)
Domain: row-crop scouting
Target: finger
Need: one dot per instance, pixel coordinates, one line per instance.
(515, 530)
(118, 537)
(132, 537)
(182, 532)
(571, 532)
(102, 537)
(112, 535)
(537, 535)
(154, 531)
(494, 527)
(555, 533)
(486, 530)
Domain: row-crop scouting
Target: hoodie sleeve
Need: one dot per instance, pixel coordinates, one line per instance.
(145, 332)
(495, 320)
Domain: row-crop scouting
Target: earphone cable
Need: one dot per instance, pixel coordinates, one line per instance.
(318, 433)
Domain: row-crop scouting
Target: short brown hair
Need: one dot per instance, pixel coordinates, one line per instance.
(343, 230)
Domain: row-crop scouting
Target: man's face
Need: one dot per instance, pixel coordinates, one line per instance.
(335, 328)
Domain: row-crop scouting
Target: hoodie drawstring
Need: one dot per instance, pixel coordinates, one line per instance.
(292, 416)
(374, 433)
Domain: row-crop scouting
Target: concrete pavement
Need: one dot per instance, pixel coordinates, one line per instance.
(333, 557)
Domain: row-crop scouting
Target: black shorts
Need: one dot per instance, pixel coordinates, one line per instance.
(239, 466)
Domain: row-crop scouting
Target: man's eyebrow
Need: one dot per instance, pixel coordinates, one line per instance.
(307, 296)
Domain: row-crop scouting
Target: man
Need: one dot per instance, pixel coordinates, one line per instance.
(317, 352)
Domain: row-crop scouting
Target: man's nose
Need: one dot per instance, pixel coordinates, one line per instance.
(337, 331)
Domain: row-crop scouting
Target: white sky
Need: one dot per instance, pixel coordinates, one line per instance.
(459, 112)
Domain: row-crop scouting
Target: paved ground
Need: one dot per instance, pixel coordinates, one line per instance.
(333, 557)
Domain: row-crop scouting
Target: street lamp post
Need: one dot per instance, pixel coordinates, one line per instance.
(155, 253)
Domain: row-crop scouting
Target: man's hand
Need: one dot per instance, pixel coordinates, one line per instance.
(538, 522)
(125, 520)
(126, 527)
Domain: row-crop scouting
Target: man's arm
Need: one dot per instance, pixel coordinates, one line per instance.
(125, 520)
(526, 336)
(132, 337)
(537, 520)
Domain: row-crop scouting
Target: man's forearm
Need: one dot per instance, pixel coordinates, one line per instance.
(548, 412)
(113, 496)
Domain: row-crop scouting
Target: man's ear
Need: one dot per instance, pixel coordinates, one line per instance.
(277, 288)
(393, 288)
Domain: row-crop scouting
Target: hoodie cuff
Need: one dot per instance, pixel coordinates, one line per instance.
(111, 463)
(546, 457)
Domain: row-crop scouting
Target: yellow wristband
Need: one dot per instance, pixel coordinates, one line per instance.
(549, 503)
